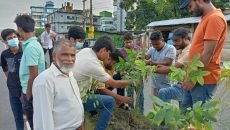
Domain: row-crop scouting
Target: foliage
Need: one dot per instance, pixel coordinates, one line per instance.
(38, 31)
(225, 74)
(154, 10)
(201, 115)
(115, 37)
(221, 3)
(121, 120)
(190, 72)
(151, 10)
(133, 66)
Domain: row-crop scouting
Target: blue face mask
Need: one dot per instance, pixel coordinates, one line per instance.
(79, 45)
(13, 42)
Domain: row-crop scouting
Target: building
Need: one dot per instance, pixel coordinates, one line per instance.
(107, 24)
(119, 16)
(66, 17)
(39, 13)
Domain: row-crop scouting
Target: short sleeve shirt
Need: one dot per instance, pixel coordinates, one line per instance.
(212, 26)
(87, 70)
(10, 63)
(33, 55)
(168, 51)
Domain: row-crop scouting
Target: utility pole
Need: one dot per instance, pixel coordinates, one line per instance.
(91, 27)
(84, 16)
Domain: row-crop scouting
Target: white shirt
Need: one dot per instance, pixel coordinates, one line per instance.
(87, 69)
(56, 101)
(47, 39)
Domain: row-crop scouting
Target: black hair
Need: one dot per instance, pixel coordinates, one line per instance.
(157, 35)
(180, 32)
(76, 32)
(207, 1)
(115, 55)
(25, 22)
(47, 25)
(104, 42)
(7, 32)
(128, 36)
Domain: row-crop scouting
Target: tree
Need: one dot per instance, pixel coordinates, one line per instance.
(38, 31)
(155, 10)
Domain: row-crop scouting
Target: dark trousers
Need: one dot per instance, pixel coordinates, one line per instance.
(50, 53)
(16, 107)
(28, 109)
(120, 91)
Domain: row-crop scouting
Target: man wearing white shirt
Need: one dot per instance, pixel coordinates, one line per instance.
(47, 38)
(56, 97)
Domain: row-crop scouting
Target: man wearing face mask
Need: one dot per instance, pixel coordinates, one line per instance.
(76, 36)
(59, 94)
(10, 59)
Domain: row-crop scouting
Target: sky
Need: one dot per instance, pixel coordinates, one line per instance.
(10, 8)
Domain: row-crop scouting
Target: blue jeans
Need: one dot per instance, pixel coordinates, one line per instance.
(167, 94)
(106, 105)
(198, 93)
(16, 107)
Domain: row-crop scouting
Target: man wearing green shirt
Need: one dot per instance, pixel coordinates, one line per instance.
(32, 62)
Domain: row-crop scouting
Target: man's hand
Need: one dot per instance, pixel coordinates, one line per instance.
(147, 62)
(187, 85)
(162, 69)
(124, 99)
(28, 95)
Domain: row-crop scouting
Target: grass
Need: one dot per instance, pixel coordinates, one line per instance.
(121, 120)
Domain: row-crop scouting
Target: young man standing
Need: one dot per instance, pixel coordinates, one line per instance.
(10, 61)
(208, 41)
(32, 62)
(47, 39)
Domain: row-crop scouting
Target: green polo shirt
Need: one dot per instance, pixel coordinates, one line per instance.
(33, 55)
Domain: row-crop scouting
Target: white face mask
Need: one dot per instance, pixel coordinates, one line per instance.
(63, 68)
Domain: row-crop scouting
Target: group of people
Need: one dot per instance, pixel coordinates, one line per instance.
(56, 98)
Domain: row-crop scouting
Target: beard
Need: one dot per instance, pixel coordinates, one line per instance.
(64, 68)
(198, 11)
(182, 46)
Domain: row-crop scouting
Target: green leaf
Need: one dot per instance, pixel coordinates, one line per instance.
(210, 117)
(207, 126)
(151, 114)
(210, 104)
(198, 125)
(169, 116)
(197, 105)
(97, 102)
(199, 64)
(159, 117)
(198, 114)
(200, 80)
(158, 101)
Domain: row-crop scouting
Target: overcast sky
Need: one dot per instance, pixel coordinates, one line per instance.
(10, 8)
